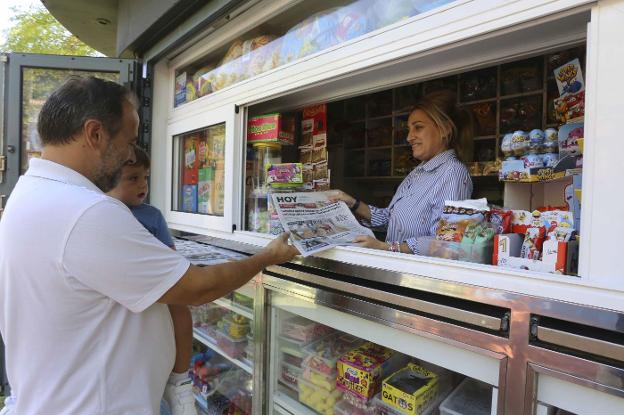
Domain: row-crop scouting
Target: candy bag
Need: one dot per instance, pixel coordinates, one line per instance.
(456, 217)
(500, 219)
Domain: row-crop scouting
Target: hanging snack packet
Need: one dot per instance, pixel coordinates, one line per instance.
(456, 217)
(500, 219)
(532, 245)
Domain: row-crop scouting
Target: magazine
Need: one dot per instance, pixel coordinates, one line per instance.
(316, 224)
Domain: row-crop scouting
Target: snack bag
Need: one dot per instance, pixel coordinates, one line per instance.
(456, 217)
(520, 220)
(532, 245)
(471, 232)
(500, 219)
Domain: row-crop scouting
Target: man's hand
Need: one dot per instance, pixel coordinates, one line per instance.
(279, 251)
(370, 242)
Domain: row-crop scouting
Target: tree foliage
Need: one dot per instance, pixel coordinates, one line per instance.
(35, 30)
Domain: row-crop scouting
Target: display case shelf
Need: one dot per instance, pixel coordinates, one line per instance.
(232, 306)
(290, 405)
(210, 343)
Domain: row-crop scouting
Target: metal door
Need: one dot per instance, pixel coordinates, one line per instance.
(29, 80)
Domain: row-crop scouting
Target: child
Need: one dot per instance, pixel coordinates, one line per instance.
(132, 190)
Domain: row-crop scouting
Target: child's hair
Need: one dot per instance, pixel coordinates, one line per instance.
(142, 159)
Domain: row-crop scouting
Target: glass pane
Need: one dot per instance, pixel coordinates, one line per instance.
(298, 32)
(478, 85)
(379, 163)
(485, 118)
(521, 77)
(321, 370)
(354, 164)
(521, 114)
(379, 104)
(201, 172)
(404, 162)
(37, 85)
(406, 97)
(379, 132)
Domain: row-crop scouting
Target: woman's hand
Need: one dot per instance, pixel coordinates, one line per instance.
(338, 195)
(370, 242)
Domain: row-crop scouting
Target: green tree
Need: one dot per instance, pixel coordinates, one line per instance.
(35, 30)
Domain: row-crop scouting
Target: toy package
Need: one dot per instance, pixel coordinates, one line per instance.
(191, 162)
(360, 371)
(180, 89)
(272, 128)
(411, 390)
(189, 198)
(285, 174)
(569, 135)
(205, 189)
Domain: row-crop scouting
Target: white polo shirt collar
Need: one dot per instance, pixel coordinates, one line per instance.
(47, 169)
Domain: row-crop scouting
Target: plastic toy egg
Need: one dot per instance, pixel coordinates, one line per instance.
(536, 140)
(550, 159)
(519, 143)
(506, 145)
(533, 160)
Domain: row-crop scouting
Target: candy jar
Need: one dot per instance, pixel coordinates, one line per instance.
(519, 142)
(506, 145)
(536, 141)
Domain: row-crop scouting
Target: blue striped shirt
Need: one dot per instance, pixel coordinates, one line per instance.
(417, 204)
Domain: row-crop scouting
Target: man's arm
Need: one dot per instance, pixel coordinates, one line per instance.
(200, 285)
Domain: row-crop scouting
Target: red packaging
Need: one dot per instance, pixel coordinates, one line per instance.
(533, 240)
(501, 219)
(191, 160)
(271, 128)
(313, 124)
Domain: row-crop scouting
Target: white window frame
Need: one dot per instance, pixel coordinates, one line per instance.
(200, 222)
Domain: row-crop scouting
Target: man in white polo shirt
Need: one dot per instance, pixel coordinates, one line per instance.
(83, 285)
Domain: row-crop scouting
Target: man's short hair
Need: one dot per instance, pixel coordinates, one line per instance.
(142, 159)
(77, 100)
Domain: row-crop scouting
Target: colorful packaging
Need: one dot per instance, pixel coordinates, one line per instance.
(284, 173)
(191, 162)
(520, 220)
(532, 245)
(457, 215)
(536, 140)
(519, 143)
(569, 135)
(205, 189)
(506, 148)
(500, 220)
(360, 371)
(314, 126)
(561, 234)
(271, 128)
(410, 390)
(218, 195)
(569, 78)
(180, 89)
(189, 198)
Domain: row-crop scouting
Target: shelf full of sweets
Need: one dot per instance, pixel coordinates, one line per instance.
(321, 370)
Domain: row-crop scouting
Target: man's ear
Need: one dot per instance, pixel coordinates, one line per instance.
(94, 133)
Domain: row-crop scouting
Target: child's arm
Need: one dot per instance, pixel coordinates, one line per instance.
(200, 285)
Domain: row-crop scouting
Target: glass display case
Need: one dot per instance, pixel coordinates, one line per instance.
(222, 365)
(323, 361)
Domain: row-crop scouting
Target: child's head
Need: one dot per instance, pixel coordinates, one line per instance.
(132, 187)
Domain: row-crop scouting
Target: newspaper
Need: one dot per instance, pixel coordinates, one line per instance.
(316, 224)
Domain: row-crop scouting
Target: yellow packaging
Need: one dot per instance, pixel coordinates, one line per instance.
(361, 370)
(410, 402)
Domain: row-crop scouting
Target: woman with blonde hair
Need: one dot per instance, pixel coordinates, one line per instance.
(440, 133)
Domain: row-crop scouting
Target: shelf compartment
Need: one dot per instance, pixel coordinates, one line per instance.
(236, 308)
(212, 344)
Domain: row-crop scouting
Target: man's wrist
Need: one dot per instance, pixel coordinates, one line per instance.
(355, 205)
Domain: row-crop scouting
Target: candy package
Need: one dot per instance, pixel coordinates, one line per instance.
(456, 217)
(561, 234)
(556, 218)
(500, 219)
(532, 245)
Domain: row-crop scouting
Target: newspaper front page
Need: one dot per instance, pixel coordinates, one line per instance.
(316, 224)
